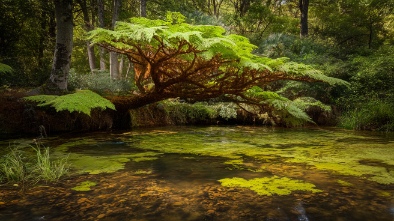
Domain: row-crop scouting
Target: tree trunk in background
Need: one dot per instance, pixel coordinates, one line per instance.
(113, 61)
(88, 27)
(121, 65)
(100, 15)
(64, 44)
(304, 4)
(143, 8)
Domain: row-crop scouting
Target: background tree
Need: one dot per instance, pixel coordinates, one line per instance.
(64, 44)
(89, 23)
(304, 8)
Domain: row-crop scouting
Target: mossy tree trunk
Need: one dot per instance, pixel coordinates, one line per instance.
(64, 43)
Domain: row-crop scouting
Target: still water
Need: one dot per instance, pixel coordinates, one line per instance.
(213, 173)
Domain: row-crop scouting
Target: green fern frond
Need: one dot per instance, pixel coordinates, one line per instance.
(190, 36)
(286, 110)
(175, 18)
(81, 101)
(305, 103)
(307, 71)
(5, 68)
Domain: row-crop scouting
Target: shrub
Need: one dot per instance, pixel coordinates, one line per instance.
(372, 115)
(101, 83)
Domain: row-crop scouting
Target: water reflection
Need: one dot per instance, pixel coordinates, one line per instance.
(174, 173)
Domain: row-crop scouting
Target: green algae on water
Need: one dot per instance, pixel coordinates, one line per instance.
(344, 183)
(269, 186)
(106, 164)
(84, 186)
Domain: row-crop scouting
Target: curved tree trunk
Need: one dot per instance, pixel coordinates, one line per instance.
(64, 44)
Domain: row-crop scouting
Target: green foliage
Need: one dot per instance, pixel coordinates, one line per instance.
(283, 110)
(352, 25)
(182, 113)
(5, 68)
(27, 41)
(374, 74)
(100, 83)
(147, 35)
(47, 169)
(372, 115)
(13, 166)
(81, 101)
(305, 103)
(368, 104)
(258, 20)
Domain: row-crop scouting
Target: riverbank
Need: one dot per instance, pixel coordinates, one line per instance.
(21, 118)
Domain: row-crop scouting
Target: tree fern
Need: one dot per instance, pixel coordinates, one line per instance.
(175, 59)
(81, 101)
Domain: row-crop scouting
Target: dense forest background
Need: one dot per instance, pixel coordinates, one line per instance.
(347, 39)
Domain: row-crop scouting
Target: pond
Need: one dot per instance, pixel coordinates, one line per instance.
(213, 173)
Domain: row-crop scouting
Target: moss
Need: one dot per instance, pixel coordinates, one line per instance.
(146, 156)
(97, 164)
(84, 186)
(106, 164)
(344, 183)
(78, 142)
(269, 186)
(234, 162)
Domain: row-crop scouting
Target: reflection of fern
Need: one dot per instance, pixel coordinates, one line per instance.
(81, 101)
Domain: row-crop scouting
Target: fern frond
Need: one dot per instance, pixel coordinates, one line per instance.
(286, 110)
(305, 103)
(307, 71)
(5, 68)
(81, 101)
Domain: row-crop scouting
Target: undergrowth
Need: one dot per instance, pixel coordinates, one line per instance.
(21, 167)
(101, 83)
(371, 115)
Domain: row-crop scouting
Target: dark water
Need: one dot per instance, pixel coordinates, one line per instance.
(179, 173)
